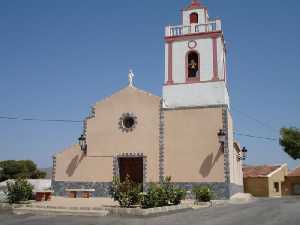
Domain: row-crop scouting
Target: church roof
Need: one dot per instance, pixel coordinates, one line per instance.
(127, 88)
(195, 4)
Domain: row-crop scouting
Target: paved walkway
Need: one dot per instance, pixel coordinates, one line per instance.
(86, 202)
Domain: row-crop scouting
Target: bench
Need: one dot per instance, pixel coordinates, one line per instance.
(85, 193)
(43, 195)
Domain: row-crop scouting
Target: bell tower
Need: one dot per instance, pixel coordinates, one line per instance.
(195, 61)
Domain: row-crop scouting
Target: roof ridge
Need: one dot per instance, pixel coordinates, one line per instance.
(122, 89)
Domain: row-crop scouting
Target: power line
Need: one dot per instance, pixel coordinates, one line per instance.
(260, 122)
(41, 120)
(257, 137)
(81, 121)
(264, 124)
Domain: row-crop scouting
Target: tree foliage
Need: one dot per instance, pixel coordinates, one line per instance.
(27, 169)
(290, 141)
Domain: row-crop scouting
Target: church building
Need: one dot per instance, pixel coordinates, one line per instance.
(187, 133)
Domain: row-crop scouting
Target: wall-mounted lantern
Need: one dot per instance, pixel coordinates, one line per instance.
(244, 153)
(221, 136)
(82, 143)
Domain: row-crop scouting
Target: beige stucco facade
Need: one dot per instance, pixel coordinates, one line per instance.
(192, 150)
(277, 177)
(73, 165)
(181, 143)
(235, 163)
(105, 139)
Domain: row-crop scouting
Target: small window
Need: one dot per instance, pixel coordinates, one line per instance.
(193, 65)
(194, 18)
(127, 122)
(276, 187)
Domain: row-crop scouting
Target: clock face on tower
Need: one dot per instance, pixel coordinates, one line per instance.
(192, 44)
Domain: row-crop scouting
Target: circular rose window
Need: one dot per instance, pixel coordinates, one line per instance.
(128, 122)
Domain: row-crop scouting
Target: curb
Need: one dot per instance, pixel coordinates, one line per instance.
(146, 212)
(5, 206)
(62, 212)
(95, 211)
(22, 209)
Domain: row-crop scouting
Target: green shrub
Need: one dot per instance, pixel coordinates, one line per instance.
(203, 194)
(162, 195)
(177, 196)
(127, 193)
(18, 191)
(156, 196)
(150, 198)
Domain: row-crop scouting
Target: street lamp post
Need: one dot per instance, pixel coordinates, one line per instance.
(82, 143)
(244, 153)
(221, 136)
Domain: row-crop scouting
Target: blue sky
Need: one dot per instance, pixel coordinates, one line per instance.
(59, 57)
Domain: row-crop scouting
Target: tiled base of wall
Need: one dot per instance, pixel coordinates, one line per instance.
(101, 188)
(234, 188)
(220, 190)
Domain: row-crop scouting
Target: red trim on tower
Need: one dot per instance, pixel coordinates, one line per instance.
(170, 63)
(195, 5)
(187, 78)
(213, 34)
(215, 59)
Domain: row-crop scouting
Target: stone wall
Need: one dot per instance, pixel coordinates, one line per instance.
(221, 190)
(101, 188)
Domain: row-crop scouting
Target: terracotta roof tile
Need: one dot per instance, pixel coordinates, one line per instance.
(294, 173)
(259, 171)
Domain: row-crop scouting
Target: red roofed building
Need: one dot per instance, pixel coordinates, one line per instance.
(264, 181)
(292, 183)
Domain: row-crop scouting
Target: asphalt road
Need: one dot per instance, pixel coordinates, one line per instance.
(284, 211)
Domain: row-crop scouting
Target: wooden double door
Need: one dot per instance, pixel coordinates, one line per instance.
(132, 167)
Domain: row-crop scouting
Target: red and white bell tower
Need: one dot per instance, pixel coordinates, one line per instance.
(195, 61)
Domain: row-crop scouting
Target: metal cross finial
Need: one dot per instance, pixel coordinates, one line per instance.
(130, 78)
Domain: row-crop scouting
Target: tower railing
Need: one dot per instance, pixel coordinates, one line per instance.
(193, 28)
